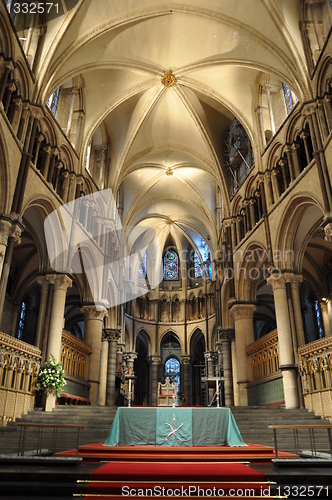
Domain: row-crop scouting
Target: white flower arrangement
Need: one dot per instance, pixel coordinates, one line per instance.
(51, 377)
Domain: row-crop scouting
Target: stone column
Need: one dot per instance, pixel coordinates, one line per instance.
(269, 104)
(93, 326)
(285, 344)
(17, 113)
(227, 336)
(5, 228)
(259, 111)
(289, 150)
(322, 120)
(305, 137)
(185, 360)
(328, 111)
(296, 161)
(103, 368)
(129, 358)
(44, 283)
(113, 337)
(275, 186)
(46, 162)
(8, 68)
(71, 111)
(295, 280)
(244, 335)
(283, 164)
(78, 129)
(61, 283)
(155, 362)
(269, 190)
(236, 389)
(325, 317)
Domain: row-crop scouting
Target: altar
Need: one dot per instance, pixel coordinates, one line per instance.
(160, 426)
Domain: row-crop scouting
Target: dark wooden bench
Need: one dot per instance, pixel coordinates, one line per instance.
(71, 399)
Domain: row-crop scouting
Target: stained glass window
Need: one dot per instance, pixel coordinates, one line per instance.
(21, 322)
(198, 266)
(318, 320)
(52, 101)
(142, 267)
(171, 266)
(288, 98)
(205, 254)
(172, 372)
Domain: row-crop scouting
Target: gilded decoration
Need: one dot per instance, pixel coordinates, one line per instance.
(168, 80)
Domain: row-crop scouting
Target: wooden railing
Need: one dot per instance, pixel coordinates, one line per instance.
(264, 356)
(75, 356)
(315, 366)
(19, 366)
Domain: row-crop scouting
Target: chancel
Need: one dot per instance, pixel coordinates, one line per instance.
(166, 220)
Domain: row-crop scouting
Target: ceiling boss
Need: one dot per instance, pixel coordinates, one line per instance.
(168, 80)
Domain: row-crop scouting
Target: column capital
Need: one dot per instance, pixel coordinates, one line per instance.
(62, 282)
(5, 227)
(277, 281)
(293, 279)
(327, 226)
(111, 334)
(186, 360)
(43, 281)
(155, 360)
(226, 334)
(130, 355)
(120, 347)
(241, 310)
(92, 312)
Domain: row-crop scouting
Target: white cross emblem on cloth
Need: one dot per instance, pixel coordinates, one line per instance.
(174, 429)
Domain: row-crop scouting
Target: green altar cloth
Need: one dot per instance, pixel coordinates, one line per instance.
(162, 426)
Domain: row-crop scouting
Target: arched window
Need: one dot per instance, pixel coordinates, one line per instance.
(21, 321)
(171, 266)
(319, 320)
(142, 267)
(198, 266)
(52, 101)
(172, 372)
(290, 98)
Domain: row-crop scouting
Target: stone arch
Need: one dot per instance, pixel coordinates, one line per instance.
(5, 176)
(147, 338)
(302, 215)
(324, 80)
(254, 257)
(43, 206)
(22, 79)
(6, 40)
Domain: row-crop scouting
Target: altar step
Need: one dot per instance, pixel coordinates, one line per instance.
(97, 419)
(253, 422)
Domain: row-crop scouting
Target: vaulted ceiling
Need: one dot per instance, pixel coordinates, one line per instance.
(167, 143)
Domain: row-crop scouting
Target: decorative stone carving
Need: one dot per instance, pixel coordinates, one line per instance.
(168, 80)
(62, 282)
(242, 311)
(91, 312)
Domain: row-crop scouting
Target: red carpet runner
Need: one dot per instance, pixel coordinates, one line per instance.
(123, 479)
